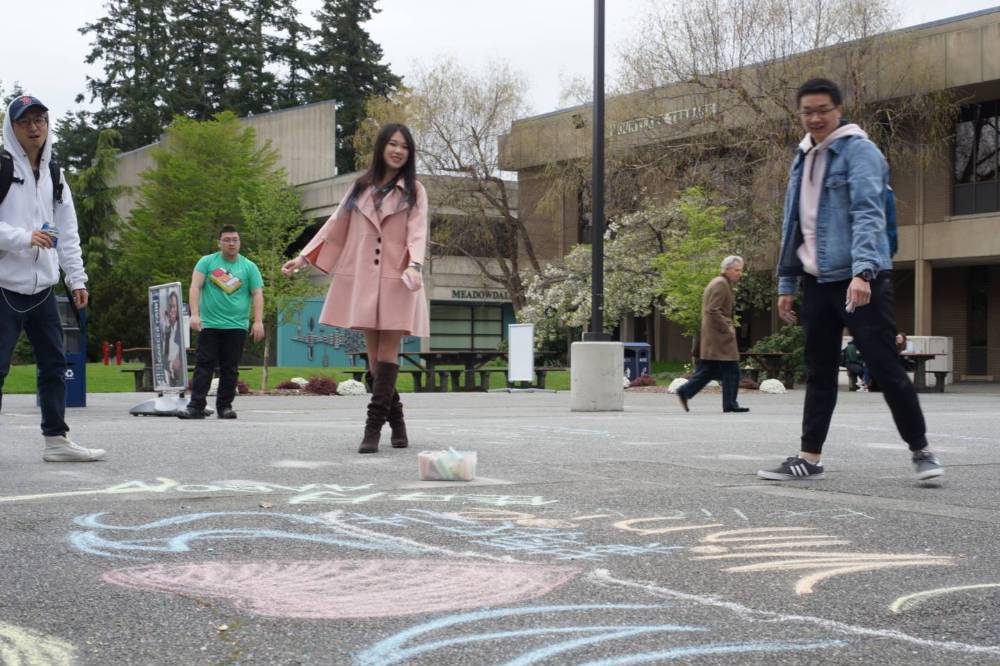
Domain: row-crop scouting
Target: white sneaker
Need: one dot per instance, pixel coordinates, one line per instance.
(62, 449)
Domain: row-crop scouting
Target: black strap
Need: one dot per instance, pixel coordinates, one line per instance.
(7, 177)
(6, 173)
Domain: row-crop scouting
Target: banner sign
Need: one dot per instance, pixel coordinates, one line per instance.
(167, 337)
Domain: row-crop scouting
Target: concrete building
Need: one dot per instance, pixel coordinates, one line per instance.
(947, 270)
(468, 311)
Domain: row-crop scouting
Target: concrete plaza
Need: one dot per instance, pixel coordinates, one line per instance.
(589, 538)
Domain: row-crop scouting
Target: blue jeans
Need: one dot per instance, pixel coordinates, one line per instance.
(38, 316)
(726, 373)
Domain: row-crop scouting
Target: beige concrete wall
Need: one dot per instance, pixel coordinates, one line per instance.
(304, 138)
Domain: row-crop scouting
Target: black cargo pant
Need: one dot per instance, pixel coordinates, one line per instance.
(222, 347)
(873, 327)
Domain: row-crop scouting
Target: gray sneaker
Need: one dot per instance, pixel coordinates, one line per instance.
(62, 449)
(926, 464)
(793, 469)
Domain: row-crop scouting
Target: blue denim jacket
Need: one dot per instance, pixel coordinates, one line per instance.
(850, 225)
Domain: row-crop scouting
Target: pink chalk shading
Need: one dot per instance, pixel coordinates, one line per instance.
(330, 589)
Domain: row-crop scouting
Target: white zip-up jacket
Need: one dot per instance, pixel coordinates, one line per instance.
(25, 269)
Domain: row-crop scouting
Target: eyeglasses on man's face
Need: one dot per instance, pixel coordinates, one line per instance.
(37, 121)
(234, 239)
(821, 111)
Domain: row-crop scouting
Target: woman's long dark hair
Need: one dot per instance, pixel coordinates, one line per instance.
(376, 172)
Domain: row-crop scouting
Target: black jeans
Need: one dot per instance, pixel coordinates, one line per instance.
(38, 316)
(874, 330)
(726, 372)
(222, 348)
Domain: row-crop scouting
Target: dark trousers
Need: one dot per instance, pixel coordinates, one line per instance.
(874, 330)
(38, 316)
(222, 348)
(726, 373)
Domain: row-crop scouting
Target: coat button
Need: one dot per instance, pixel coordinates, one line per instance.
(376, 262)
(377, 251)
(379, 239)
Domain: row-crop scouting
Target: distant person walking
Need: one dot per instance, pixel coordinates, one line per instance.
(224, 287)
(374, 246)
(835, 245)
(719, 355)
(38, 236)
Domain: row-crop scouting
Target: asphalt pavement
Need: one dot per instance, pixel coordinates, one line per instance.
(635, 537)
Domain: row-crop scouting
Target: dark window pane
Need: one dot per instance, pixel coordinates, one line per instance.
(986, 197)
(965, 199)
(964, 151)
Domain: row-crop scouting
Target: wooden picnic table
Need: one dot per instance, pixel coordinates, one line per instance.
(429, 363)
(775, 364)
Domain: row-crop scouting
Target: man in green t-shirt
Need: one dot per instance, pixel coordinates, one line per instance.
(223, 286)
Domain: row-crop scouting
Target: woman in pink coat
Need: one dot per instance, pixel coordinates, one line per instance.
(374, 246)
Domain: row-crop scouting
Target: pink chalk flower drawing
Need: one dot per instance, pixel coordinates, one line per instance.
(331, 589)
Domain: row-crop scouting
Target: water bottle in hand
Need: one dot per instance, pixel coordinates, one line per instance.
(52, 232)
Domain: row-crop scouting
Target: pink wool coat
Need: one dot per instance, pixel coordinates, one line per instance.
(367, 249)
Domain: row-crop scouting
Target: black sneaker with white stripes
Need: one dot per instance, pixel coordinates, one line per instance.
(792, 469)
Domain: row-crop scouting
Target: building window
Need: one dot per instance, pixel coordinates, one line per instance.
(977, 136)
(466, 327)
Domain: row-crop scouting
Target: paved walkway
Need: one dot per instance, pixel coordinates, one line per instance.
(604, 538)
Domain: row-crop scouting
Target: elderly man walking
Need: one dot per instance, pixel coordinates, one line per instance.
(719, 355)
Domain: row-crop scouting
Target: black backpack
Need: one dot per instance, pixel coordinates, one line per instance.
(7, 177)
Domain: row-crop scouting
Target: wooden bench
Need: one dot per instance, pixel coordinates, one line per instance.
(422, 379)
(143, 378)
(540, 374)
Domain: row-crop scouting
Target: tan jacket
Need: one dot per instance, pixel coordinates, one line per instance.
(718, 337)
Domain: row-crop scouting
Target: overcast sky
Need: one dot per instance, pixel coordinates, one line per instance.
(549, 41)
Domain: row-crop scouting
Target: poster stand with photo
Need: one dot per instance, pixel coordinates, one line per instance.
(169, 337)
(521, 358)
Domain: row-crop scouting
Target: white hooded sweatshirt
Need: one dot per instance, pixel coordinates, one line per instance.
(25, 269)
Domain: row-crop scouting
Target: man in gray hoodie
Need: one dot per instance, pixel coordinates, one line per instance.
(835, 245)
(38, 235)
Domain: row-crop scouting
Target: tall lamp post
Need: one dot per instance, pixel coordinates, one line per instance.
(596, 333)
(596, 362)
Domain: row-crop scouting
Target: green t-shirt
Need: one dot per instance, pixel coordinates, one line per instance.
(226, 295)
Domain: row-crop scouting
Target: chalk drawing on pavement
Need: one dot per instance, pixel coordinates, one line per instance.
(793, 549)
(403, 646)
(335, 589)
(25, 647)
(912, 600)
(604, 578)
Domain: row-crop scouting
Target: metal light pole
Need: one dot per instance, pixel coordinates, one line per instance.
(596, 333)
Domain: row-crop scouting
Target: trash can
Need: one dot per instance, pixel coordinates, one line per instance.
(75, 346)
(636, 359)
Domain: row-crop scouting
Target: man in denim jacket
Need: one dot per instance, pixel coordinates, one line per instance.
(834, 243)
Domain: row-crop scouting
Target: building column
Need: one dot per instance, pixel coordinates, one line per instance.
(922, 296)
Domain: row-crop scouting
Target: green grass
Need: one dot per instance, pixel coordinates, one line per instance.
(111, 379)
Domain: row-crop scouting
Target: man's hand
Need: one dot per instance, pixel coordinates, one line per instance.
(41, 239)
(196, 322)
(859, 292)
(257, 331)
(80, 298)
(785, 311)
(294, 265)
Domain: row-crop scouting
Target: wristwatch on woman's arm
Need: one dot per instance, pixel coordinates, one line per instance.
(415, 264)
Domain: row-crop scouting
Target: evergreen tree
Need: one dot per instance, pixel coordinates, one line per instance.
(132, 41)
(346, 68)
(76, 141)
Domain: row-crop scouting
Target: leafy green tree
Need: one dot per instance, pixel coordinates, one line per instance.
(272, 221)
(205, 175)
(94, 200)
(345, 66)
(693, 260)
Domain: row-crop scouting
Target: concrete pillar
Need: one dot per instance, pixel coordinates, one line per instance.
(597, 371)
(923, 292)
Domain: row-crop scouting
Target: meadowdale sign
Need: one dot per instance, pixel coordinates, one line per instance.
(634, 125)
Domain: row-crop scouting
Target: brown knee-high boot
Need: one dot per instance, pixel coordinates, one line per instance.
(384, 385)
(398, 438)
